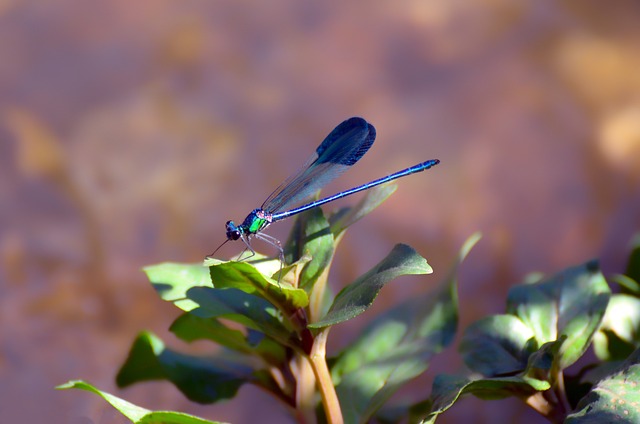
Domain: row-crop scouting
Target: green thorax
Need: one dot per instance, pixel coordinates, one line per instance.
(256, 221)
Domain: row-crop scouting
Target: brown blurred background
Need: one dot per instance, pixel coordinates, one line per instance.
(131, 131)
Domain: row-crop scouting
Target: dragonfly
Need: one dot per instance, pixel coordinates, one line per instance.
(339, 151)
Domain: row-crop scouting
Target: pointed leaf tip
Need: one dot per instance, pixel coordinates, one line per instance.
(359, 296)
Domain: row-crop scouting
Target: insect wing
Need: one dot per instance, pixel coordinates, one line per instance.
(342, 148)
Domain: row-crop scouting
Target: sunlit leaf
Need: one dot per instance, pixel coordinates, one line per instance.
(359, 296)
(135, 413)
(497, 345)
(245, 277)
(615, 399)
(619, 333)
(290, 274)
(629, 285)
(570, 303)
(173, 280)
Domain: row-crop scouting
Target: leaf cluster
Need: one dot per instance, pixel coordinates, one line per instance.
(271, 325)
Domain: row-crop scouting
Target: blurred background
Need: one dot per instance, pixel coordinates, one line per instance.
(131, 131)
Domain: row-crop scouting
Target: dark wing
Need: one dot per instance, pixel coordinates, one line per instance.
(342, 148)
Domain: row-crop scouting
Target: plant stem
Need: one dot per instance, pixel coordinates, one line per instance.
(547, 405)
(316, 298)
(305, 389)
(317, 357)
(539, 403)
(561, 393)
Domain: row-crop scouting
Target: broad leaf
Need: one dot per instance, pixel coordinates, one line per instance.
(396, 347)
(448, 389)
(202, 380)
(310, 235)
(619, 333)
(359, 296)
(237, 305)
(570, 303)
(245, 277)
(267, 265)
(135, 413)
(390, 353)
(173, 280)
(190, 327)
(497, 345)
(544, 364)
(615, 399)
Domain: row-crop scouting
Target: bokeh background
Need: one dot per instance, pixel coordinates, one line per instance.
(130, 131)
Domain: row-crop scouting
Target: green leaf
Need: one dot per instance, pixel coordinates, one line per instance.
(538, 376)
(633, 265)
(289, 274)
(346, 217)
(239, 306)
(190, 327)
(497, 345)
(169, 417)
(271, 351)
(245, 277)
(615, 399)
(359, 296)
(173, 280)
(544, 364)
(310, 234)
(448, 389)
(629, 285)
(619, 333)
(630, 282)
(135, 413)
(396, 347)
(265, 264)
(386, 356)
(202, 380)
(570, 303)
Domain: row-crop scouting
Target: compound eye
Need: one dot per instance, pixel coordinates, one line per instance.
(233, 232)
